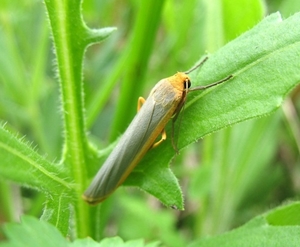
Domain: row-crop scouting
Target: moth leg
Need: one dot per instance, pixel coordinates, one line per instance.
(174, 144)
(163, 137)
(140, 103)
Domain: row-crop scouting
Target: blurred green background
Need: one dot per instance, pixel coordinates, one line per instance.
(227, 178)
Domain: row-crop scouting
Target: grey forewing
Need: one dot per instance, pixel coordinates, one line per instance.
(145, 122)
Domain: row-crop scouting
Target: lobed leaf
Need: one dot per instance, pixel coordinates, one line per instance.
(264, 63)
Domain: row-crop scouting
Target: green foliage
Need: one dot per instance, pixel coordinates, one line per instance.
(259, 232)
(244, 168)
(263, 230)
(255, 90)
(35, 233)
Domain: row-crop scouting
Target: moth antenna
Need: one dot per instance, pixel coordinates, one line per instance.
(197, 65)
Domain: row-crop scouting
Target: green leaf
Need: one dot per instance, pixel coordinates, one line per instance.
(265, 65)
(157, 182)
(287, 215)
(97, 35)
(57, 212)
(85, 242)
(32, 232)
(113, 242)
(258, 232)
(23, 165)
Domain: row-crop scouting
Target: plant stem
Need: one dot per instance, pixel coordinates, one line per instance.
(66, 23)
(138, 54)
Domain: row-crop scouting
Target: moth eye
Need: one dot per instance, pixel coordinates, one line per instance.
(187, 83)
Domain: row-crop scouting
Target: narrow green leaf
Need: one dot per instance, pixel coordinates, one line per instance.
(97, 35)
(21, 164)
(57, 212)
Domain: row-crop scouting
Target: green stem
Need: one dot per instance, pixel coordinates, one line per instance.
(67, 27)
(138, 53)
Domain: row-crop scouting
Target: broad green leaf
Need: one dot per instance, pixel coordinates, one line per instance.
(259, 232)
(112, 242)
(32, 232)
(264, 63)
(287, 215)
(157, 182)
